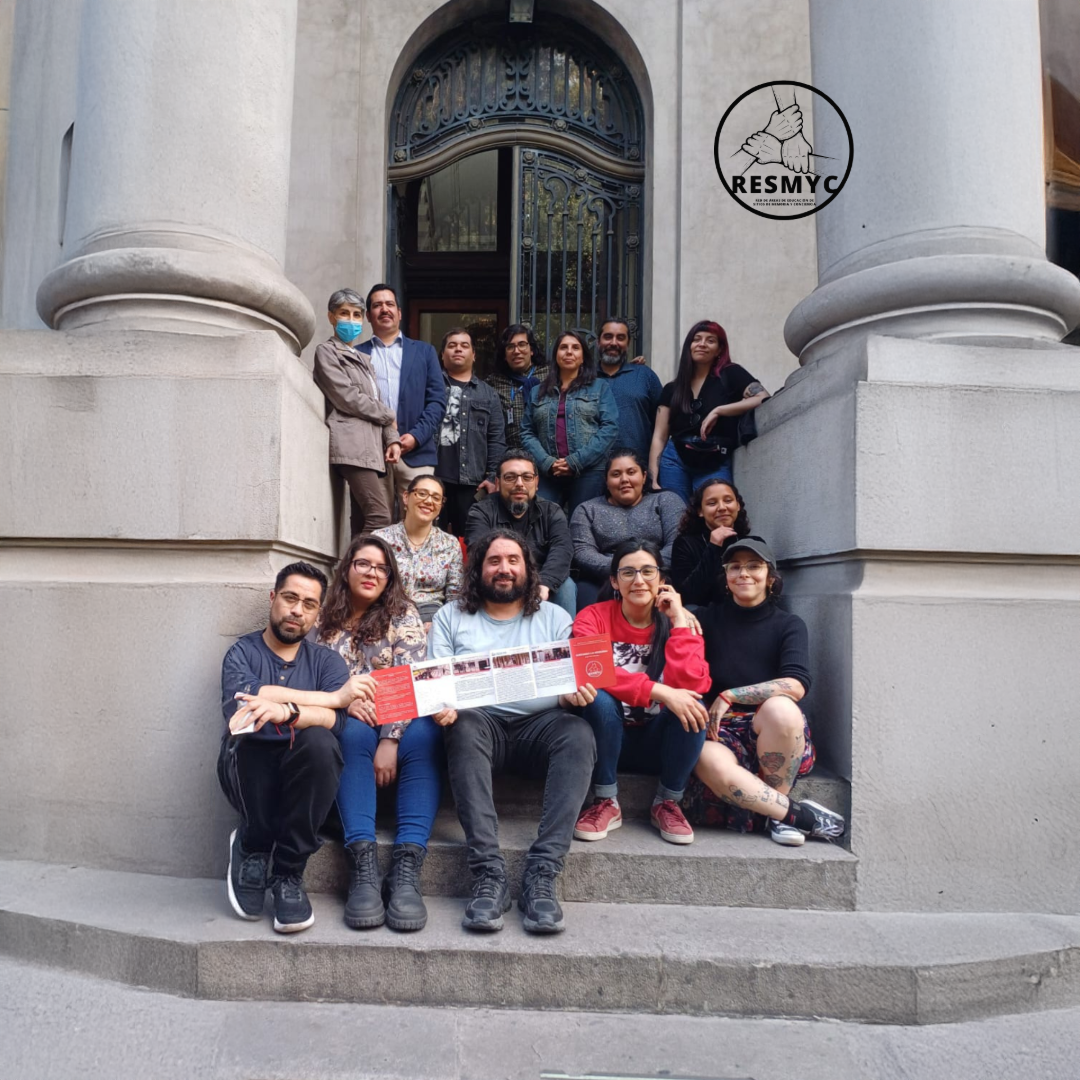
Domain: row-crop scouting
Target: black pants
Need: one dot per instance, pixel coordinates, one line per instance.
(282, 793)
(455, 511)
(555, 744)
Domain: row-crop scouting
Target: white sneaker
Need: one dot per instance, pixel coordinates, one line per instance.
(787, 835)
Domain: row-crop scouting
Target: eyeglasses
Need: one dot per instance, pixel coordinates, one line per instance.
(751, 567)
(514, 477)
(363, 566)
(427, 497)
(519, 346)
(628, 573)
(292, 599)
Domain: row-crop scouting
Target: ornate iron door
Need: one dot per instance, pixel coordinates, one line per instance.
(577, 257)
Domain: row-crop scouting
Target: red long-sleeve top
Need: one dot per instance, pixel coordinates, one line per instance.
(684, 655)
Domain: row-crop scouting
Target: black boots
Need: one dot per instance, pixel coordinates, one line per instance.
(405, 908)
(364, 907)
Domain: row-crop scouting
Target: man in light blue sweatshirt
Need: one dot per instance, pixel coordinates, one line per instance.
(500, 607)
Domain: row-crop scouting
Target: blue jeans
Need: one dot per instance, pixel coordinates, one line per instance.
(569, 491)
(661, 746)
(418, 781)
(673, 475)
(566, 596)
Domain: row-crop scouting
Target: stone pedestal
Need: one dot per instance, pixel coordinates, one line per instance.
(151, 486)
(918, 474)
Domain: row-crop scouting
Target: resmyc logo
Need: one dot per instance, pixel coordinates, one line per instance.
(770, 160)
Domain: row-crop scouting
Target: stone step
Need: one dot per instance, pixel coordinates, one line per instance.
(634, 865)
(524, 795)
(179, 936)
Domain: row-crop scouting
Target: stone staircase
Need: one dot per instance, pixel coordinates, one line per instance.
(728, 926)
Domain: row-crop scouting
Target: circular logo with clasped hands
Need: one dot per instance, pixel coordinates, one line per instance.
(768, 156)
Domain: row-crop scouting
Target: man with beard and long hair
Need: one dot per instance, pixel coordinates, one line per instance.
(282, 777)
(499, 608)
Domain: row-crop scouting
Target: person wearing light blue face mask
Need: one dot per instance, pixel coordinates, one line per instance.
(363, 431)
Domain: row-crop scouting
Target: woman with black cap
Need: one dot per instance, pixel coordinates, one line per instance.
(758, 739)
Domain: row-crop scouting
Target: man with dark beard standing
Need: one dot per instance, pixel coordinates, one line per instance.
(282, 777)
(636, 387)
(499, 608)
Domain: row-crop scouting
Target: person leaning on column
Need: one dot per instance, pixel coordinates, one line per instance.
(363, 431)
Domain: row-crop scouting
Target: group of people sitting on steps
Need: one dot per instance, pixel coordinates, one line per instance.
(710, 672)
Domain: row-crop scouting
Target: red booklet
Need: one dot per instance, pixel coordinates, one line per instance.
(514, 674)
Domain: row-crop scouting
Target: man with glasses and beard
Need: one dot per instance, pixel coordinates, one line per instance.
(282, 777)
(635, 386)
(499, 608)
(540, 522)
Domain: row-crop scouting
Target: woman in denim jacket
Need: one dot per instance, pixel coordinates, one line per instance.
(570, 424)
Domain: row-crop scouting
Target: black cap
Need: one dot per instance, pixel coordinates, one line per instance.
(749, 543)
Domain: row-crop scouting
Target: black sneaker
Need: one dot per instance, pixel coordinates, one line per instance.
(364, 906)
(247, 879)
(292, 908)
(490, 898)
(405, 908)
(828, 824)
(539, 900)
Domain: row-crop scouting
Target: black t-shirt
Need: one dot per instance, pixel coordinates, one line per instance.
(720, 389)
(449, 434)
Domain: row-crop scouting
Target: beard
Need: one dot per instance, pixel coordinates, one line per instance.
(286, 637)
(517, 508)
(503, 592)
(610, 357)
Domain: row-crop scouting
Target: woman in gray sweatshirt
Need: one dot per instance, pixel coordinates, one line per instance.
(626, 512)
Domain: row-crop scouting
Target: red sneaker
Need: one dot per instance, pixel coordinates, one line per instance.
(598, 820)
(673, 826)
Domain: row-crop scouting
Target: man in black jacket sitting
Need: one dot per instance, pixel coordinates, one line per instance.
(540, 522)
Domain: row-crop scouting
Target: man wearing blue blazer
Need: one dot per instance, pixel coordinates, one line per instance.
(410, 382)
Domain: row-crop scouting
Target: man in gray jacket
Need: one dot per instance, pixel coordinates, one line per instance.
(363, 431)
(540, 522)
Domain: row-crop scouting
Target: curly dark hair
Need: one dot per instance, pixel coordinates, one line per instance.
(693, 524)
(682, 396)
(512, 331)
(586, 373)
(472, 598)
(374, 624)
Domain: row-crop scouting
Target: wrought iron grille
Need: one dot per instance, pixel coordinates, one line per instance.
(487, 75)
(579, 255)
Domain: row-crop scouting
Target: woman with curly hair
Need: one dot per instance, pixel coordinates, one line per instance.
(715, 519)
(758, 738)
(571, 424)
(372, 624)
(697, 420)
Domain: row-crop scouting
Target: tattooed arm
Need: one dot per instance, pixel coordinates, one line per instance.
(755, 694)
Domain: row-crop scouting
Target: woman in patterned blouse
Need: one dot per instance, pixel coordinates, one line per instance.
(369, 620)
(430, 559)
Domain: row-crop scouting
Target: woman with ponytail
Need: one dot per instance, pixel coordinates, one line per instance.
(652, 720)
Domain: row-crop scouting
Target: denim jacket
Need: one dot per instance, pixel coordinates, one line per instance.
(481, 442)
(592, 425)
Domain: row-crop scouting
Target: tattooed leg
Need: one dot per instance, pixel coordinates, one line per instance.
(718, 770)
(778, 724)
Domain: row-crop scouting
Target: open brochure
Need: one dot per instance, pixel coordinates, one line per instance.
(492, 678)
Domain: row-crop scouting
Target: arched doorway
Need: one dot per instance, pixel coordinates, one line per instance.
(517, 184)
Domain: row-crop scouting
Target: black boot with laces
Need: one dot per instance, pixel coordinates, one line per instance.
(539, 900)
(364, 906)
(405, 908)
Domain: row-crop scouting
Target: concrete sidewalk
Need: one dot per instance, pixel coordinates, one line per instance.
(59, 1026)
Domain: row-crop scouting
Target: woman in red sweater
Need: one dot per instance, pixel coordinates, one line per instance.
(652, 720)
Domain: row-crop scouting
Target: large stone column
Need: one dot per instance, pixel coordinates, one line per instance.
(179, 174)
(163, 453)
(919, 472)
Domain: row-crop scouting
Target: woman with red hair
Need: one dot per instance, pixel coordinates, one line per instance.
(697, 421)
